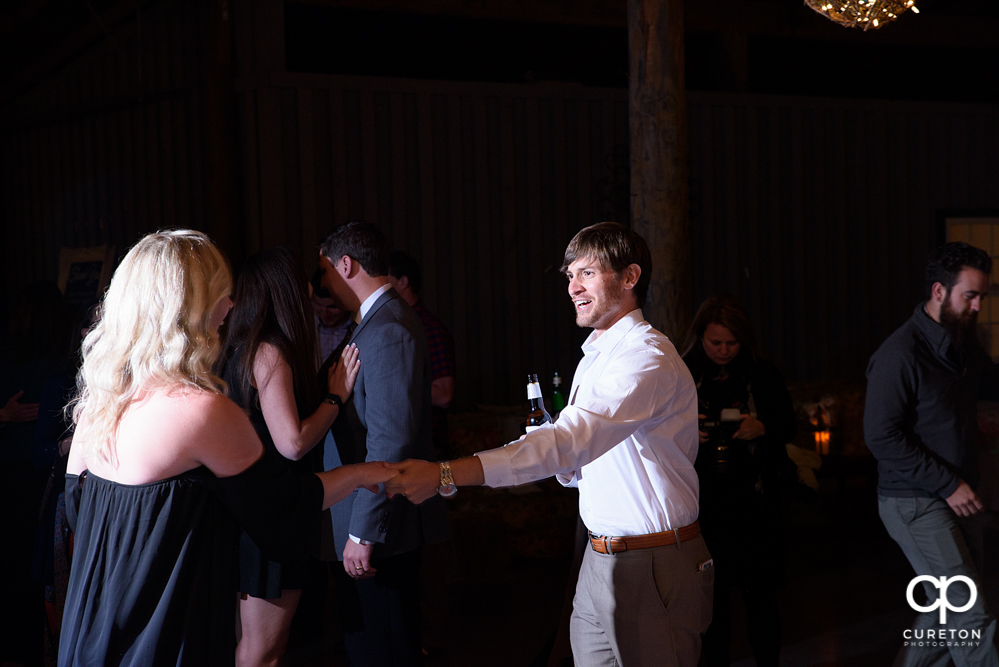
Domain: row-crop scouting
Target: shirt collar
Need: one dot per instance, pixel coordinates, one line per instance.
(612, 336)
(936, 334)
(370, 301)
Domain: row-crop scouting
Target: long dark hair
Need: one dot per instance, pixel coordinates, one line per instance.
(271, 305)
(725, 310)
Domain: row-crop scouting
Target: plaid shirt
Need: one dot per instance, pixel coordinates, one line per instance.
(441, 347)
(439, 342)
(330, 337)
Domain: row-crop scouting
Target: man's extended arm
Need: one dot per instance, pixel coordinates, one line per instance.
(630, 394)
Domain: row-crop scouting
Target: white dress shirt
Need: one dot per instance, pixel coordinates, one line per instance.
(628, 437)
(370, 301)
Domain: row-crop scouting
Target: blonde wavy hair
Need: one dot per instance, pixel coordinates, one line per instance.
(155, 331)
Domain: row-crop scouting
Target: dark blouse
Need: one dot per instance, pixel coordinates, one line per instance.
(154, 573)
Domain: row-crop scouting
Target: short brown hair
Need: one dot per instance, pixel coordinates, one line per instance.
(363, 242)
(616, 248)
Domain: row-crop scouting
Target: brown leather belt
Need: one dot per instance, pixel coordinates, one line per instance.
(606, 544)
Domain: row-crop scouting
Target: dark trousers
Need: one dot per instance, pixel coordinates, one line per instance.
(381, 616)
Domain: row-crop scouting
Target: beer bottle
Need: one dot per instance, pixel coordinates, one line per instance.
(538, 415)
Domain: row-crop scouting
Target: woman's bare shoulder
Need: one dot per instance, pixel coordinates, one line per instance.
(179, 428)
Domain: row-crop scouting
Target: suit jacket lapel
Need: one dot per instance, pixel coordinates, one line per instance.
(350, 337)
(389, 294)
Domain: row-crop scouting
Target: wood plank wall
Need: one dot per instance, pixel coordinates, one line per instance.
(817, 213)
(484, 184)
(107, 150)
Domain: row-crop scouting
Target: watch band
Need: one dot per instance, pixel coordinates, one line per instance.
(447, 486)
(333, 399)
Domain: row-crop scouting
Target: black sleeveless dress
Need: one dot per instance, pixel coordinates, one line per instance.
(154, 577)
(259, 576)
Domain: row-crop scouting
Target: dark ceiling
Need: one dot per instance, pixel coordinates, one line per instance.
(948, 51)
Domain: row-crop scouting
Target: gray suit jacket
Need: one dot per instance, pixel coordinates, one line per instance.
(387, 418)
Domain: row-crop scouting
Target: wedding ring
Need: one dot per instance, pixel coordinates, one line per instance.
(358, 568)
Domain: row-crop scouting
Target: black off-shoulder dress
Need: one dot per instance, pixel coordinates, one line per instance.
(154, 572)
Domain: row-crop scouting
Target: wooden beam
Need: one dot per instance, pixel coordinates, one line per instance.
(658, 126)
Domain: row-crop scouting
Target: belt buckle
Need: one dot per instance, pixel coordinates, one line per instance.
(609, 545)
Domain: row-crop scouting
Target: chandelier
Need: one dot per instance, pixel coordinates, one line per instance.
(863, 14)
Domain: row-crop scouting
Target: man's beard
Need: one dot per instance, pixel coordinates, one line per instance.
(962, 328)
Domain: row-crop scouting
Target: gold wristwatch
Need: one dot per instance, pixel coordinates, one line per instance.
(447, 487)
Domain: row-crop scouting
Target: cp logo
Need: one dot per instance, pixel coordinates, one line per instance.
(942, 583)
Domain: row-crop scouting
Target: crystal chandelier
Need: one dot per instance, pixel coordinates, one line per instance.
(864, 14)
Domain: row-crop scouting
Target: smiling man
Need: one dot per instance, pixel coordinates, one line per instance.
(627, 440)
(920, 422)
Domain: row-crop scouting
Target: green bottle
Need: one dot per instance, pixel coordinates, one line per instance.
(558, 398)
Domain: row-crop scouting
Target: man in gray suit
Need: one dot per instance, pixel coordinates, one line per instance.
(387, 418)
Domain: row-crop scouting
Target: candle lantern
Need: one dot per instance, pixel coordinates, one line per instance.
(822, 417)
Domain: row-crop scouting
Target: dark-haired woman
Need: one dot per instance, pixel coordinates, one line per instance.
(271, 371)
(742, 465)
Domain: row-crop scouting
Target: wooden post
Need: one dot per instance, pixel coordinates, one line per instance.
(658, 109)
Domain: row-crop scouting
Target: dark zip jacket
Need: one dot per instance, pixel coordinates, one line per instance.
(920, 417)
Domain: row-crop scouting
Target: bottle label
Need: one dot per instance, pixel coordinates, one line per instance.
(556, 381)
(533, 390)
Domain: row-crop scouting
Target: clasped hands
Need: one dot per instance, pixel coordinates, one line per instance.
(414, 479)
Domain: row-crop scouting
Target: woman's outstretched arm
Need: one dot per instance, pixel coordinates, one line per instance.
(339, 482)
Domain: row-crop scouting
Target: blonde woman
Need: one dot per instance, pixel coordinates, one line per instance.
(164, 469)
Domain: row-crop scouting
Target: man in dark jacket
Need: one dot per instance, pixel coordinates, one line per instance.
(387, 418)
(920, 422)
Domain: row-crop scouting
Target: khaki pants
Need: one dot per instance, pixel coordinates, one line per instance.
(642, 607)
